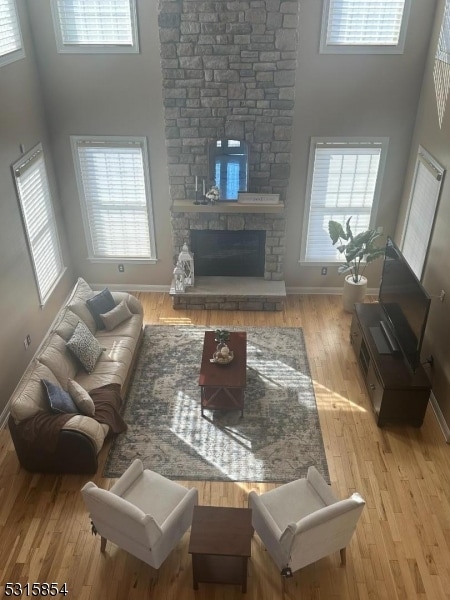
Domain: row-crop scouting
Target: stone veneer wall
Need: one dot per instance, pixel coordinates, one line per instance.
(228, 71)
(272, 224)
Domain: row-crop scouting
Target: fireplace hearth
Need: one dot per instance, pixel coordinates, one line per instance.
(229, 253)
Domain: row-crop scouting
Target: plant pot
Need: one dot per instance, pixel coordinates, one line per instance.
(353, 292)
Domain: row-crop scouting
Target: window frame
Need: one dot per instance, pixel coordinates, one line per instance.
(326, 48)
(363, 142)
(121, 141)
(20, 164)
(73, 48)
(443, 45)
(429, 162)
(18, 53)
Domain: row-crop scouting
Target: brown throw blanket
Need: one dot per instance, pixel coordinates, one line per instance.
(44, 428)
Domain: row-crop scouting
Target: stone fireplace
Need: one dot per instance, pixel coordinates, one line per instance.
(228, 70)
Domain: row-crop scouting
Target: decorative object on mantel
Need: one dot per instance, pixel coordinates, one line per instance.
(178, 279)
(186, 262)
(213, 194)
(254, 198)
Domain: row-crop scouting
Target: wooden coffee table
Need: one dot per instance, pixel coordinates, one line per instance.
(223, 386)
(220, 544)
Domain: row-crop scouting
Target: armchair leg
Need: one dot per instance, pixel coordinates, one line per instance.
(103, 544)
(343, 556)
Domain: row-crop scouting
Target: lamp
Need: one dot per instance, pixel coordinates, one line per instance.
(186, 262)
(178, 279)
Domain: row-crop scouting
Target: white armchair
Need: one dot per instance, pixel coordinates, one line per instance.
(143, 513)
(302, 521)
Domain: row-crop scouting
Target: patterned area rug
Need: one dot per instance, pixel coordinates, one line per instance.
(278, 438)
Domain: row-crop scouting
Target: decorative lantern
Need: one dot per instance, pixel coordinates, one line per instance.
(178, 279)
(186, 262)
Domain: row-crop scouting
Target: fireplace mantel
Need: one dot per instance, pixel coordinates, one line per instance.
(187, 206)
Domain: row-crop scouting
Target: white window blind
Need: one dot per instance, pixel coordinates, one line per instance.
(443, 49)
(343, 183)
(39, 219)
(422, 209)
(11, 47)
(115, 190)
(349, 25)
(95, 25)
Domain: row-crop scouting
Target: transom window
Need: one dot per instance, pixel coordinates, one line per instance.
(364, 26)
(114, 187)
(102, 26)
(11, 45)
(343, 181)
(39, 220)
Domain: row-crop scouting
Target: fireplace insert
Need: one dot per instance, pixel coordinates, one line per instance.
(229, 253)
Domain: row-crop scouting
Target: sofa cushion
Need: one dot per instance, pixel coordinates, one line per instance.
(81, 310)
(29, 397)
(60, 401)
(118, 348)
(85, 347)
(101, 303)
(59, 359)
(81, 291)
(105, 372)
(81, 398)
(66, 324)
(116, 316)
(129, 328)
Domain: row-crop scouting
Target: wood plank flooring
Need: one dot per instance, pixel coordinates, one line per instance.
(401, 549)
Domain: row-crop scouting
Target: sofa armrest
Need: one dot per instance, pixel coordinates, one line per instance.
(74, 453)
(133, 303)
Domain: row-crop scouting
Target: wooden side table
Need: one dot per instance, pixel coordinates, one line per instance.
(220, 545)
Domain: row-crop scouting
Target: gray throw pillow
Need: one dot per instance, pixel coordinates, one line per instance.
(60, 401)
(80, 396)
(85, 347)
(99, 304)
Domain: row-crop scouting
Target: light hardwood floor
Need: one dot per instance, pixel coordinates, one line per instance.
(401, 549)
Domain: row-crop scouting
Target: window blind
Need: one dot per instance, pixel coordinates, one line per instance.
(96, 22)
(343, 185)
(443, 49)
(422, 209)
(116, 199)
(361, 22)
(39, 219)
(10, 35)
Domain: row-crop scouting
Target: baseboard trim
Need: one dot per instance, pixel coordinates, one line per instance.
(130, 287)
(334, 291)
(4, 416)
(440, 418)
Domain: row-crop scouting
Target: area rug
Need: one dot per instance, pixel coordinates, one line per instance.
(276, 440)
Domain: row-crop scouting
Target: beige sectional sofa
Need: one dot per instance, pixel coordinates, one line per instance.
(78, 438)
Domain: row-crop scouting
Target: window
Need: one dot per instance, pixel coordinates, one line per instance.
(421, 211)
(102, 26)
(343, 181)
(39, 220)
(11, 46)
(443, 49)
(114, 186)
(364, 26)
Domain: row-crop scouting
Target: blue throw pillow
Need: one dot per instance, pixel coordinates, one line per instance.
(99, 305)
(60, 401)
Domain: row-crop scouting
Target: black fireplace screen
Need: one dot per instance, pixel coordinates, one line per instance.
(229, 253)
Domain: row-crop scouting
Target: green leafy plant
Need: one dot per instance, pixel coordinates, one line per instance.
(222, 335)
(359, 250)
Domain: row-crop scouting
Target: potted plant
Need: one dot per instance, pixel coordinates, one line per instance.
(359, 251)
